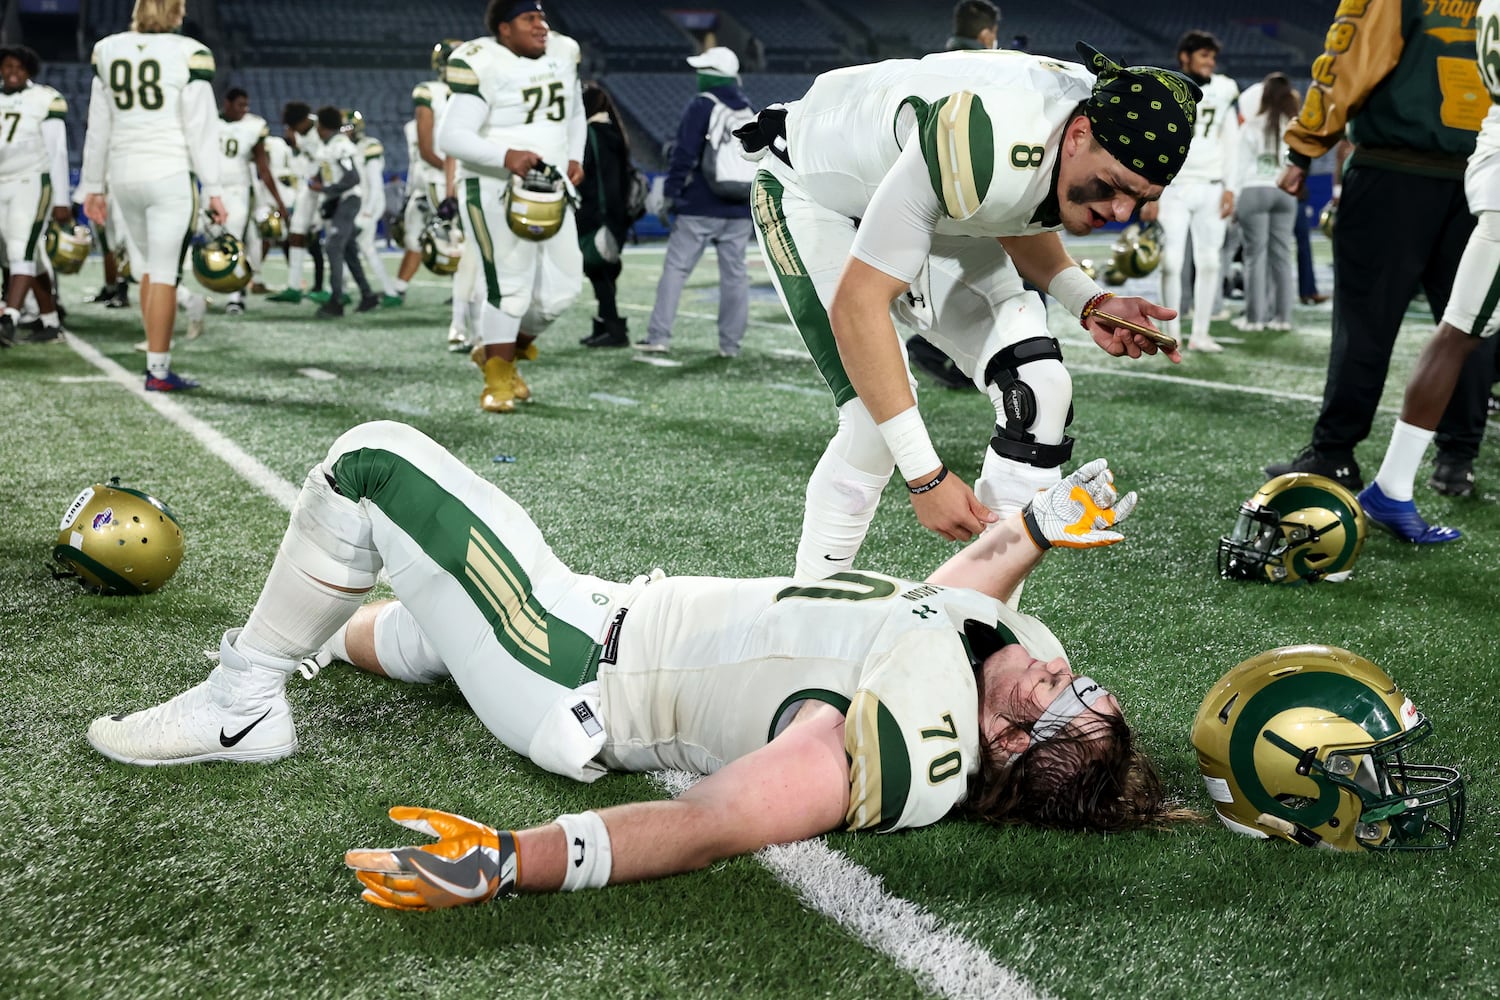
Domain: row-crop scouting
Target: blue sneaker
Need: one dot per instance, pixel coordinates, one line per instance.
(172, 383)
(1401, 519)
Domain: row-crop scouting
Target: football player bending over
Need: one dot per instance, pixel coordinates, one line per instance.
(930, 189)
(861, 702)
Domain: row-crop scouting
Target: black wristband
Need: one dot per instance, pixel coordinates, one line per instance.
(931, 484)
(1034, 529)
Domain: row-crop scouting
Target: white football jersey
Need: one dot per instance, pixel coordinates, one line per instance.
(23, 148)
(987, 122)
(532, 102)
(334, 158)
(372, 174)
(707, 670)
(237, 141)
(279, 157)
(432, 94)
(144, 75)
(1488, 43)
(1212, 155)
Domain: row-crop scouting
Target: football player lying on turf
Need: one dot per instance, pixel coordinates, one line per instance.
(856, 702)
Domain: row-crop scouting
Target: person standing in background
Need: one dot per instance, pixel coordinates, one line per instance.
(1406, 90)
(1266, 213)
(604, 215)
(704, 217)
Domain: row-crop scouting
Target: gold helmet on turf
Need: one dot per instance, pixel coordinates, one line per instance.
(118, 540)
(440, 53)
(442, 244)
(1308, 743)
(1326, 218)
(270, 224)
(122, 261)
(536, 202)
(219, 261)
(1135, 252)
(1297, 528)
(68, 248)
(354, 124)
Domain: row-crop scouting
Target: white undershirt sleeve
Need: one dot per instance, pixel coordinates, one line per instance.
(200, 123)
(96, 140)
(459, 137)
(895, 235)
(55, 138)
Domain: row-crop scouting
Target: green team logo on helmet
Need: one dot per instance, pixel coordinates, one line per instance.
(219, 264)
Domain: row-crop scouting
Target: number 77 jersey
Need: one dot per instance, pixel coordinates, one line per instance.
(533, 103)
(707, 670)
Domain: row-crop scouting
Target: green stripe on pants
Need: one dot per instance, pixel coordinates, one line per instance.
(458, 541)
(43, 206)
(479, 235)
(797, 289)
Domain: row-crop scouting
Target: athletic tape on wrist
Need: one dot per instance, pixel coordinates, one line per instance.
(906, 436)
(589, 856)
(1072, 289)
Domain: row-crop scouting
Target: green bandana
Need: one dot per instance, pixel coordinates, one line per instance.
(1142, 115)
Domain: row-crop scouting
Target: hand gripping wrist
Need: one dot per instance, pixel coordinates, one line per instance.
(906, 436)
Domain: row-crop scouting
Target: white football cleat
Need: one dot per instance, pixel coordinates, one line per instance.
(240, 713)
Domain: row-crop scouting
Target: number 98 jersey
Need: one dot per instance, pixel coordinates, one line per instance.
(532, 102)
(143, 76)
(707, 670)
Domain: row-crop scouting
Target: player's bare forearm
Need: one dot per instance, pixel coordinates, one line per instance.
(426, 148)
(795, 787)
(1039, 258)
(994, 564)
(860, 315)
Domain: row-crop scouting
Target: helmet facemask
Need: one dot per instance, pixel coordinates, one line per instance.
(1298, 528)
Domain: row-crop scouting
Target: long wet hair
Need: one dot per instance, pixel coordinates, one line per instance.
(157, 16)
(1090, 777)
(1278, 102)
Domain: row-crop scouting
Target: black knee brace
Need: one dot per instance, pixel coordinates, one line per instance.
(1013, 439)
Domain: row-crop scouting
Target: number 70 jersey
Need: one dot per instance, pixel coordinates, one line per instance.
(531, 101)
(707, 670)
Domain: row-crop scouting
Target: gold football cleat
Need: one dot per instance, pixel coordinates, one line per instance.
(499, 395)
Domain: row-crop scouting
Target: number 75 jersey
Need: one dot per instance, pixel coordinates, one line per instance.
(531, 101)
(707, 670)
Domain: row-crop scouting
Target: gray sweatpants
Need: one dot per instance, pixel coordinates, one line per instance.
(691, 235)
(344, 249)
(1268, 216)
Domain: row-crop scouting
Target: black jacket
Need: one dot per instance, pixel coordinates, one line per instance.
(606, 180)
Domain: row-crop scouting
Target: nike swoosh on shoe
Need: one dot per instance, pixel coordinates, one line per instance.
(227, 741)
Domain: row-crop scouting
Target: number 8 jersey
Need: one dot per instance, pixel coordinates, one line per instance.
(701, 671)
(143, 77)
(533, 103)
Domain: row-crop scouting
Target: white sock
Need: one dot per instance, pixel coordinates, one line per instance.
(459, 315)
(336, 646)
(296, 614)
(14, 314)
(400, 287)
(1398, 471)
(50, 319)
(159, 363)
(841, 502)
(294, 258)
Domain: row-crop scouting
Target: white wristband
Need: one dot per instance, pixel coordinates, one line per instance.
(589, 857)
(1072, 289)
(906, 436)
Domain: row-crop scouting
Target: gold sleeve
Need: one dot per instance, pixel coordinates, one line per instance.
(1361, 48)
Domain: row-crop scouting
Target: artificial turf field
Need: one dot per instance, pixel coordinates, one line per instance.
(226, 880)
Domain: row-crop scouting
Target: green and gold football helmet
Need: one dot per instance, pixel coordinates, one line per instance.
(535, 203)
(68, 248)
(1297, 528)
(1309, 744)
(1326, 219)
(440, 53)
(442, 245)
(270, 224)
(219, 261)
(1135, 253)
(118, 540)
(122, 261)
(354, 124)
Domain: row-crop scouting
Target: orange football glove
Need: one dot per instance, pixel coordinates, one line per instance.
(470, 863)
(1078, 512)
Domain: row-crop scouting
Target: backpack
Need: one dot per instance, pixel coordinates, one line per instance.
(728, 174)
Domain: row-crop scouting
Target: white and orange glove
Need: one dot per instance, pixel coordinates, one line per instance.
(470, 863)
(1078, 512)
